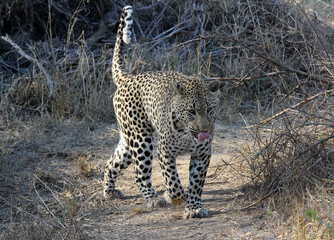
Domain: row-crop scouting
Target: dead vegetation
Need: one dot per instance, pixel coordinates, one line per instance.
(275, 61)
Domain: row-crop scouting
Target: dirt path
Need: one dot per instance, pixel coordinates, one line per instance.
(72, 162)
(130, 219)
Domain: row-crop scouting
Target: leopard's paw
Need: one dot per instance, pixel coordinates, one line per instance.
(156, 201)
(116, 193)
(195, 213)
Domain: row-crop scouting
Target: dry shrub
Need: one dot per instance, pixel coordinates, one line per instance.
(292, 153)
(294, 157)
(289, 166)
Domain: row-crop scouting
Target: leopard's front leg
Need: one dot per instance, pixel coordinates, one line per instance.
(198, 167)
(175, 193)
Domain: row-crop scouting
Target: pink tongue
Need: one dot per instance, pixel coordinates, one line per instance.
(202, 136)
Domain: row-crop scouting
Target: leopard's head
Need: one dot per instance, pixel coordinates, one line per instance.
(195, 105)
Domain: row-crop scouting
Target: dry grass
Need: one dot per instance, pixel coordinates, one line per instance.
(317, 221)
(271, 56)
(32, 204)
(86, 168)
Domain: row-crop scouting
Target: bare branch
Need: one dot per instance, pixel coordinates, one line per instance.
(290, 108)
(289, 69)
(25, 212)
(34, 60)
(243, 80)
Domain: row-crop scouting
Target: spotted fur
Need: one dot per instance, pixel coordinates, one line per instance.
(175, 106)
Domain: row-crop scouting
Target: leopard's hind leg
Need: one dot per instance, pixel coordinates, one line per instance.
(120, 160)
(141, 147)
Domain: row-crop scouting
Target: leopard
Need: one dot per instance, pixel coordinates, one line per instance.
(178, 110)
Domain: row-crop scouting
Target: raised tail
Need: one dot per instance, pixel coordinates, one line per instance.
(123, 35)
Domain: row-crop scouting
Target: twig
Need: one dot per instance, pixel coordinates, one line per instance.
(255, 203)
(34, 60)
(317, 35)
(22, 210)
(59, 7)
(46, 206)
(199, 38)
(289, 69)
(241, 81)
(290, 108)
(71, 24)
(156, 23)
(168, 33)
(292, 91)
(53, 194)
(317, 116)
(223, 79)
(313, 145)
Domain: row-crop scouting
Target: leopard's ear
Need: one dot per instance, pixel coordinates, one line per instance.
(214, 86)
(178, 88)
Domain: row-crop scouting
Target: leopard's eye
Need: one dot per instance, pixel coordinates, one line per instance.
(210, 110)
(191, 112)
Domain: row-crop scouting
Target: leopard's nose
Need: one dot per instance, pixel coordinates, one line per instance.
(203, 124)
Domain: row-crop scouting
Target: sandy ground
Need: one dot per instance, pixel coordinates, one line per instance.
(73, 148)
